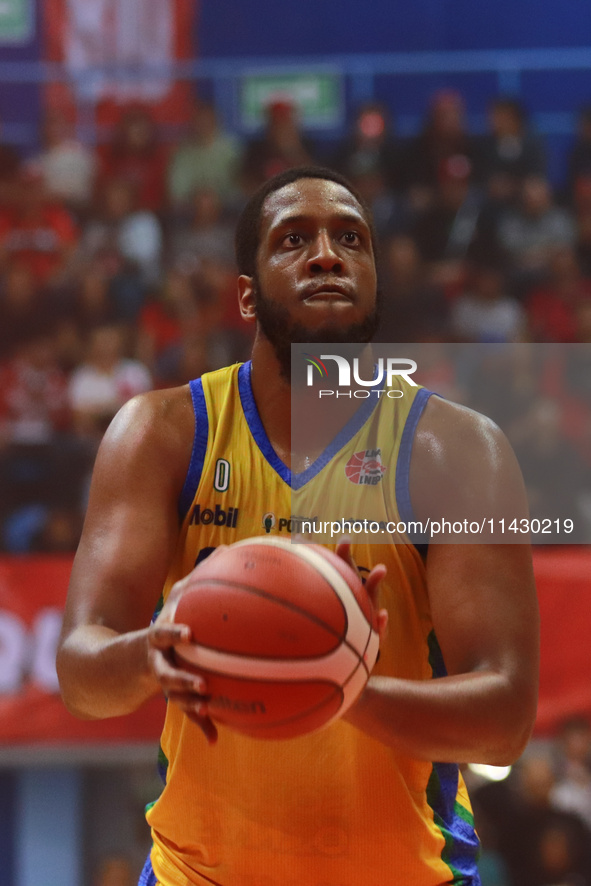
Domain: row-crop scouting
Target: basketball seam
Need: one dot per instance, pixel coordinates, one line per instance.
(342, 638)
(317, 561)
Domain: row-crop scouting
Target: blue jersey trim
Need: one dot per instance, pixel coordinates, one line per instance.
(402, 487)
(342, 438)
(462, 846)
(253, 419)
(147, 876)
(199, 447)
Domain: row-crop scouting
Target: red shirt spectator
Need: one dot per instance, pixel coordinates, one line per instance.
(37, 232)
(553, 308)
(135, 154)
(33, 393)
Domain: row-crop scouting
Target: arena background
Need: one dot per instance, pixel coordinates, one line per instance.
(71, 794)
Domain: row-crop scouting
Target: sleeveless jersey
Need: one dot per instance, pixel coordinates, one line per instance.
(334, 808)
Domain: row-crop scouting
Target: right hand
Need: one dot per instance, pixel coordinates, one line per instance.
(187, 690)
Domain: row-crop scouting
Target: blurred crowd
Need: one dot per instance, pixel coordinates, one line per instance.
(535, 825)
(117, 276)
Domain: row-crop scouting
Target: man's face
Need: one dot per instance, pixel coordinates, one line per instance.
(316, 276)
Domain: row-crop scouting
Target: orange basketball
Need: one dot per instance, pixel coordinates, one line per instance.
(285, 635)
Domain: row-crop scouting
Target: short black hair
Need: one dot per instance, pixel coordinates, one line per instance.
(248, 228)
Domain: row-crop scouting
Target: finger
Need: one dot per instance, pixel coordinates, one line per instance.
(197, 712)
(207, 727)
(174, 680)
(373, 580)
(382, 624)
(190, 703)
(343, 550)
(165, 634)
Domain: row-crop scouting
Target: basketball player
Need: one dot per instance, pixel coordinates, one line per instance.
(362, 802)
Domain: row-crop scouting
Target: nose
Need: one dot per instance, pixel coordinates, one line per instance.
(324, 256)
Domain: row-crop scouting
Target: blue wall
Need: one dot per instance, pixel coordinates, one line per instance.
(320, 27)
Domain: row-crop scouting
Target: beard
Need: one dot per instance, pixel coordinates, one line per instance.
(278, 328)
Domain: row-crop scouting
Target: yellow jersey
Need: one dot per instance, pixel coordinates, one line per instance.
(335, 807)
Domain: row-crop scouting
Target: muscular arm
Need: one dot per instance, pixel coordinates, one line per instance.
(483, 606)
(128, 540)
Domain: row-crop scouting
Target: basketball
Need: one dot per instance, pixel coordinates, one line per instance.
(284, 634)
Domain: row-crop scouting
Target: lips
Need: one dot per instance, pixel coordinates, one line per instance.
(327, 291)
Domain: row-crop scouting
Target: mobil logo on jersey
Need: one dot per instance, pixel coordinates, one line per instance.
(382, 376)
(365, 468)
(217, 516)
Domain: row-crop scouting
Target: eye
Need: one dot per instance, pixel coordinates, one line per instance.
(292, 240)
(351, 238)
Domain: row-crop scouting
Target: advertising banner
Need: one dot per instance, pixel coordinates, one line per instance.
(32, 595)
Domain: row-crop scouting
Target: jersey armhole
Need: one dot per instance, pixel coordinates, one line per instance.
(403, 500)
(199, 448)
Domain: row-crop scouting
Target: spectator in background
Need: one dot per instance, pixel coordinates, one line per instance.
(484, 311)
(445, 230)
(509, 152)
(371, 147)
(10, 162)
(33, 392)
(127, 243)
(501, 381)
(583, 323)
(68, 166)
(37, 230)
(534, 858)
(136, 155)
(90, 305)
(104, 382)
(370, 157)
(188, 358)
(530, 232)
(24, 307)
(579, 157)
(552, 468)
(444, 135)
(281, 146)
(581, 204)
(413, 310)
(164, 315)
(205, 234)
(40, 465)
(552, 308)
(207, 159)
(572, 790)
(203, 342)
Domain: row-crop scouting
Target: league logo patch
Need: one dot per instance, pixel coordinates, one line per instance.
(365, 468)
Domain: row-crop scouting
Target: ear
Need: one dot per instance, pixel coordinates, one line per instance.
(246, 298)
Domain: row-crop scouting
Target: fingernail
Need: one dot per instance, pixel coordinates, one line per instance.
(198, 686)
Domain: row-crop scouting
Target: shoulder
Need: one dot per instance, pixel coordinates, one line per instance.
(153, 430)
(463, 466)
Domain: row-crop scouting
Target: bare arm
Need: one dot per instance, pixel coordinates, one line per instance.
(106, 653)
(483, 606)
